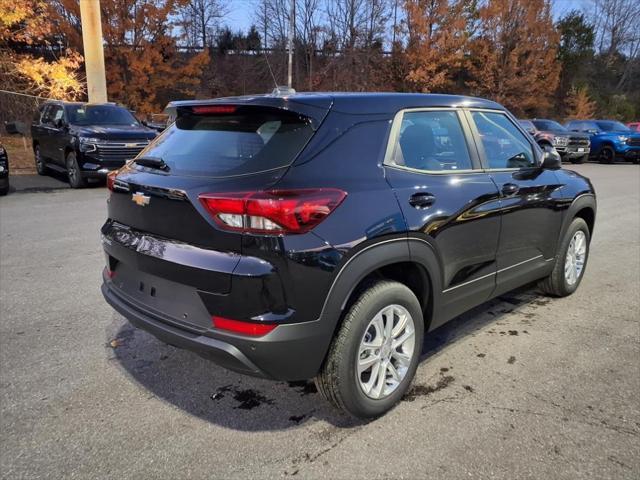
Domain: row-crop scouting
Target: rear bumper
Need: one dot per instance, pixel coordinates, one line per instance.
(290, 352)
(222, 353)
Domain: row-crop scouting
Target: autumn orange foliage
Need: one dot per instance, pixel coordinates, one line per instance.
(437, 36)
(579, 105)
(25, 22)
(513, 59)
(142, 62)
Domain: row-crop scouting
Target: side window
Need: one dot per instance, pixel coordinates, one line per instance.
(56, 114)
(431, 141)
(46, 114)
(504, 145)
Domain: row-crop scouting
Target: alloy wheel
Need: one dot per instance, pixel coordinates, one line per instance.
(575, 257)
(71, 171)
(39, 164)
(385, 353)
(606, 155)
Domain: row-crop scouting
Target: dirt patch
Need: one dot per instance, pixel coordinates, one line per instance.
(424, 390)
(20, 154)
(247, 399)
(303, 387)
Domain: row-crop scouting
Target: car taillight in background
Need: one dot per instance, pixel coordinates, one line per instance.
(273, 211)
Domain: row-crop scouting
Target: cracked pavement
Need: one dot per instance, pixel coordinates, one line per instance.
(523, 386)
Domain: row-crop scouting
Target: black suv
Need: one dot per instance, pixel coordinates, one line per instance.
(86, 140)
(572, 146)
(321, 235)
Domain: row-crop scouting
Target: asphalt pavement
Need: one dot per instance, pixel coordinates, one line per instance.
(523, 386)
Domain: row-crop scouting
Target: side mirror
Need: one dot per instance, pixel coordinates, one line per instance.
(551, 159)
(60, 123)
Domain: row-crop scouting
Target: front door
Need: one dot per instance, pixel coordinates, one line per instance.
(447, 201)
(529, 197)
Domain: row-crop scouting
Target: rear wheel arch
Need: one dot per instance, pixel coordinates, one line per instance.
(393, 260)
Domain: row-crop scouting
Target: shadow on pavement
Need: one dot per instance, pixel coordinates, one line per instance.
(50, 182)
(235, 401)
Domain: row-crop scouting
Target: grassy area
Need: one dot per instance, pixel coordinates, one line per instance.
(20, 154)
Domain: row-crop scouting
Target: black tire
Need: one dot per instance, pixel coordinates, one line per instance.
(578, 160)
(337, 380)
(41, 165)
(76, 180)
(606, 155)
(4, 190)
(556, 284)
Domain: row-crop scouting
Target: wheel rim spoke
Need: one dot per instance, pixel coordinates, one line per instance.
(386, 351)
(575, 257)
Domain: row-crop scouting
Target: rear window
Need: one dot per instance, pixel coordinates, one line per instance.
(237, 141)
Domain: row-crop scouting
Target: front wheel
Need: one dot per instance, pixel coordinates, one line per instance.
(41, 167)
(373, 358)
(606, 155)
(571, 261)
(76, 180)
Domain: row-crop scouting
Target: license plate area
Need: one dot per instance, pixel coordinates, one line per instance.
(162, 297)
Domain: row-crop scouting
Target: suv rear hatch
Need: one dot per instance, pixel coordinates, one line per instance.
(160, 235)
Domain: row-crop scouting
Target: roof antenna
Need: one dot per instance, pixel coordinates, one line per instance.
(269, 65)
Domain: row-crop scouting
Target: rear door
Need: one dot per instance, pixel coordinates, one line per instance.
(529, 198)
(57, 134)
(44, 132)
(447, 201)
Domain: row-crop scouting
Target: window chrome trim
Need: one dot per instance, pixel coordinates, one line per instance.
(537, 152)
(394, 137)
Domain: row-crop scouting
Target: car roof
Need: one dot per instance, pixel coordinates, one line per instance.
(64, 102)
(353, 102)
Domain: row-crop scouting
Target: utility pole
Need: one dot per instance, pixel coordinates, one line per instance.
(93, 50)
(292, 13)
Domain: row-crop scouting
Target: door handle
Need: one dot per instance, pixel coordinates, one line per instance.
(509, 189)
(421, 200)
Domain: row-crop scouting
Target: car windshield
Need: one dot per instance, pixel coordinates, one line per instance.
(548, 125)
(611, 126)
(100, 115)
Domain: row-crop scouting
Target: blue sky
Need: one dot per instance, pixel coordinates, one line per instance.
(241, 12)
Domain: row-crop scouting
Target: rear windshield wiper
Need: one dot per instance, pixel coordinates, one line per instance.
(152, 162)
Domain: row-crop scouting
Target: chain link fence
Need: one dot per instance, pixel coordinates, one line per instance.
(16, 112)
(18, 108)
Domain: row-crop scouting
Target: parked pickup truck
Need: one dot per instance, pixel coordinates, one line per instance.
(610, 139)
(86, 140)
(571, 146)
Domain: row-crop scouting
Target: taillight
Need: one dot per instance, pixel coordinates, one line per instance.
(243, 328)
(111, 178)
(205, 109)
(272, 211)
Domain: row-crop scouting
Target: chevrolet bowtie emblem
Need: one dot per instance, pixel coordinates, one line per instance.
(140, 199)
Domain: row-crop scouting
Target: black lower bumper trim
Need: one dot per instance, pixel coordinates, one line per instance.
(222, 353)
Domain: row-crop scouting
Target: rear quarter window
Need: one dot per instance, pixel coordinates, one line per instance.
(239, 141)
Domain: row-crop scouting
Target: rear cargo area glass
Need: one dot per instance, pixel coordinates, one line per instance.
(239, 141)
